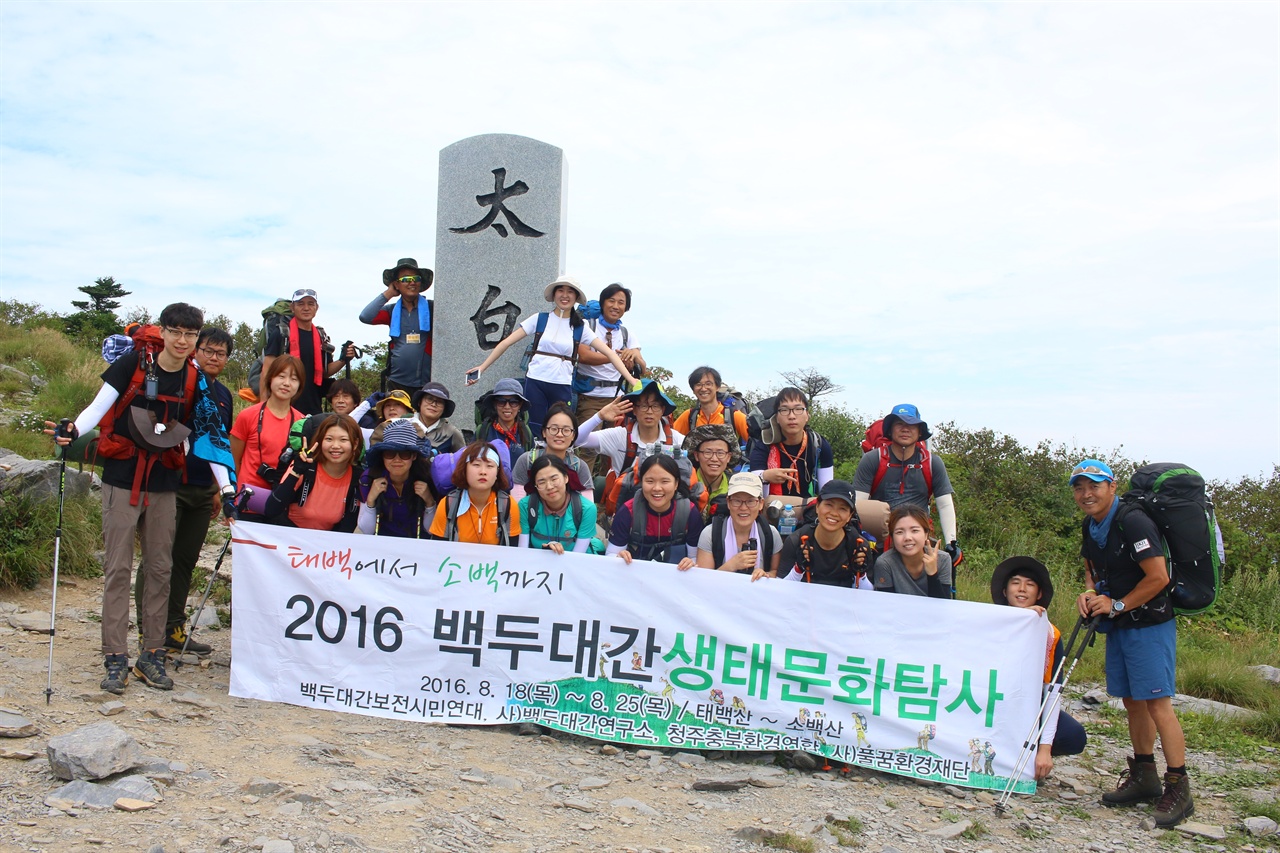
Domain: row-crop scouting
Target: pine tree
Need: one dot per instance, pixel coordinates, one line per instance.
(104, 296)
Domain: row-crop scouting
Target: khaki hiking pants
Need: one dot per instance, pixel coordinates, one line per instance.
(154, 525)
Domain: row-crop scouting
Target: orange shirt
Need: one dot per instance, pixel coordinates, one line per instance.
(477, 524)
(682, 424)
(326, 502)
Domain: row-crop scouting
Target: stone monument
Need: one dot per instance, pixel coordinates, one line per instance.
(499, 243)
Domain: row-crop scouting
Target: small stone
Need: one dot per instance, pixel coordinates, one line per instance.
(1204, 830)
(1148, 823)
(956, 792)
(609, 749)
(689, 758)
(291, 809)
(261, 788)
(1268, 673)
(646, 754)
(932, 802)
(473, 779)
(756, 834)
(13, 724)
(18, 754)
(507, 783)
(803, 761)
(1068, 795)
(634, 805)
(401, 805)
(278, 845)
(129, 804)
(36, 622)
(1259, 825)
(592, 783)
(1095, 697)
(110, 709)
(580, 805)
(192, 698)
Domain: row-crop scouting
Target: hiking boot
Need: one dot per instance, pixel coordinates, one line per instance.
(117, 673)
(1175, 804)
(178, 635)
(150, 668)
(1140, 782)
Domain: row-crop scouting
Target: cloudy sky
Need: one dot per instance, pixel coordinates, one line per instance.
(1057, 220)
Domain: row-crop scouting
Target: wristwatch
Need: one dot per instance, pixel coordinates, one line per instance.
(1117, 607)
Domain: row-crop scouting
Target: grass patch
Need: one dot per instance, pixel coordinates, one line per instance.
(949, 816)
(1030, 832)
(791, 841)
(846, 831)
(1078, 812)
(27, 529)
(1225, 737)
(1248, 807)
(975, 831)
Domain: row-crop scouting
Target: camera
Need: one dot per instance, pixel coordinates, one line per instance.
(752, 545)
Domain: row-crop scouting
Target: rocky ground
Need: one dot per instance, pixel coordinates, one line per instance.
(219, 773)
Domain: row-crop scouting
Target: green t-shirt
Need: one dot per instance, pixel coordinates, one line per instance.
(550, 528)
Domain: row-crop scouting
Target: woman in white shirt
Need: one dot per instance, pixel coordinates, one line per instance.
(549, 376)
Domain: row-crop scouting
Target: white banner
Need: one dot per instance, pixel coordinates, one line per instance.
(642, 654)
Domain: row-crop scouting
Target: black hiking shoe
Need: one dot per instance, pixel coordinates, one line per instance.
(177, 635)
(1175, 804)
(150, 668)
(1141, 782)
(117, 673)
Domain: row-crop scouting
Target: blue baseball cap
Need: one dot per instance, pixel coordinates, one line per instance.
(1094, 469)
(910, 416)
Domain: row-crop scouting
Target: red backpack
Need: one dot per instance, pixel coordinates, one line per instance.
(148, 343)
(877, 440)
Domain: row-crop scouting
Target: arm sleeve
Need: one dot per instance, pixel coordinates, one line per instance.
(360, 411)
(221, 475)
(759, 460)
(612, 549)
(826, 463)
(365, 521)
(947, 515)
(524, 540)
(586, 433)
(283, 495)
(369, 316)
(94, 412)
(939, 586)
(941, 480)
(581, 546)
(1049, 714)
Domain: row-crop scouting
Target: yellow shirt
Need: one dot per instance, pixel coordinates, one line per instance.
(478, 524)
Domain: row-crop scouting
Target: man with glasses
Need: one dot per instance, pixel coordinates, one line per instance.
(141, 472)
(714, 450)
(1127, 588)
(799, 462)
(409, 319)
(197, 501)
(309, 343)
(705, 383)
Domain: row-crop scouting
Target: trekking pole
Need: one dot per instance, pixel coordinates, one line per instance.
(241, 501)
(1050, 703)
(62, 430)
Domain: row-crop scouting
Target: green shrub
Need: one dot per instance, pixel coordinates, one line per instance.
(27, 529)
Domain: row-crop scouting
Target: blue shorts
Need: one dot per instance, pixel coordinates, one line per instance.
(1141, 661)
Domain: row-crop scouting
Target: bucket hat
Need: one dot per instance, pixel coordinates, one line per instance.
(548, 292)
(435, 389)
(714, 432)
(504, 388)
(427, 275)
(1029, 566)
(910, 416)
(667, 406)
(153, 436)
(396, 396)
(400, 434)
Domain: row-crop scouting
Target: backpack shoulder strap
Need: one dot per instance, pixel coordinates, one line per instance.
(629, 457)
(539, 330)
(882, 468)
(639, 519)
(717, 540)
(504, 518)
(451, 515)
(680, 523)
(926, 465)
(575, 507)
(766, 546)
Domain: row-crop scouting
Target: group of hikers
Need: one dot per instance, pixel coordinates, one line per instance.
(586, 454)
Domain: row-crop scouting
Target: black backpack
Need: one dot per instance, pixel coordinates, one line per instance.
(1174, 497)
(664, 552)
(717, 541)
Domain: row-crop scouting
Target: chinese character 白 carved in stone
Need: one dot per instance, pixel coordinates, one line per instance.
(509, 311)
(495, 201)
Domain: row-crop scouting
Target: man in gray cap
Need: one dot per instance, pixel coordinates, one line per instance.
(409, 319)
(309, 343)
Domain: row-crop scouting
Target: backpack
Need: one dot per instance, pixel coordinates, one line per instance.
(522, 426)
(760, 424)
(583, 384)
(717, 542)
(620, 488)
(275, 317)
(679, 529)
(1174, 497)
(533, 350)
(888, 460)
(148, 343)
(535, 506)
(854, 541)
(451, 519)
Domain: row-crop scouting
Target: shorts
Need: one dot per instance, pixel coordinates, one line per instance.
(1141, 661)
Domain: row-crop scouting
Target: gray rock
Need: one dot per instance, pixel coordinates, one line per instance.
(38, 480)
(756, 834)
(688, 758)
(97, 795)
(506, 783)
(1095, 697)
(1196, 705)
(110, 709)
(494, 278)
(951, 830)
(635, 805)
(290, 809)
(1203, 830)
(277, 845)
(93, 752)
(592, 783)
(401, 805)
(13, 724)
(803, 761)
(579, 805)
(192, 698)
(720, 784)
(37, 622)
(261, 788)
(1259, 826)
(1267, 673)
(956, 792)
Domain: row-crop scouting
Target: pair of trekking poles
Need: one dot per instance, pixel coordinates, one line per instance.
(1049, 706)
(64, 429)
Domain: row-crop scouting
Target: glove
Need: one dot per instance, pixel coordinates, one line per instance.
(375, 398)
(953, 550)
(231, 506)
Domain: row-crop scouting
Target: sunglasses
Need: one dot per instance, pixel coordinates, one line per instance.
(300, 295)
(409, 279)
(400, 454)
(507, 401)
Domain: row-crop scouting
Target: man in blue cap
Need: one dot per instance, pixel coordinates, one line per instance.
(1126, 586)
(903, 471)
